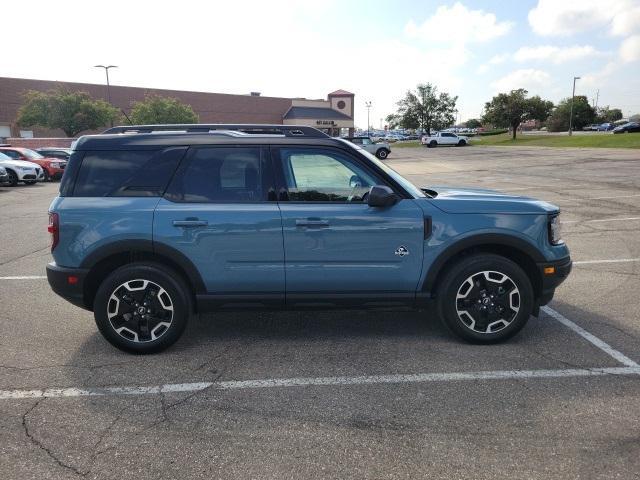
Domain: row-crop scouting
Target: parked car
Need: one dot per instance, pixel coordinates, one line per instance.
(590, 128)
(4, 176)
(20, 171)
(296, 219)
(444, 138)
(630, 127)
(52, 168)
(604, 127)
(379, 149)
(55, 152)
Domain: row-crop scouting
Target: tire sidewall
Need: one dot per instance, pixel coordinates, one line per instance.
(13, 178)
(462, 270)
(382, 154)
(164, 277)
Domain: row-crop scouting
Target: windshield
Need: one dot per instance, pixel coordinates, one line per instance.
(32, 154)
(406, 184)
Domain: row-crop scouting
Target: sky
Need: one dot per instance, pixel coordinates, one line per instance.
(375, 49)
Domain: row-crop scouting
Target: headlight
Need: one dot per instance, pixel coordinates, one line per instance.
(55, 165)
(555, 233)
(25, 169)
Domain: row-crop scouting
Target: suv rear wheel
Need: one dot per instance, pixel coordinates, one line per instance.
(485, 298)
(142, 308)
(382, 153)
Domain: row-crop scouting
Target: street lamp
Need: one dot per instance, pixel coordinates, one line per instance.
(368, 105)
(106, 71)
(571, 109)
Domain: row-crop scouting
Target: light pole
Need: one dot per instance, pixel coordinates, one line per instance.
(106, 71)
(573, 94)
(368, 105)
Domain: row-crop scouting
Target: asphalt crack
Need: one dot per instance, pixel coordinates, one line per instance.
(42, 446)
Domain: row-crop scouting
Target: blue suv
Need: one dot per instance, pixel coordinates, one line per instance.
(154, 223)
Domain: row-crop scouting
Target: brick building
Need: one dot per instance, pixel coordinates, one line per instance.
(331, 115)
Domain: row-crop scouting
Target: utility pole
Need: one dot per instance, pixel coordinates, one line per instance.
(597, 98)
(368, 105)
(571, 110)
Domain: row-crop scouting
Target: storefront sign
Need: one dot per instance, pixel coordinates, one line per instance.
(325, 122)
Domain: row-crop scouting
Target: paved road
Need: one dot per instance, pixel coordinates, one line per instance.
(343, 394)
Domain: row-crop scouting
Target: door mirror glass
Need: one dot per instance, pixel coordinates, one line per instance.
(382, 196)
(355, 181)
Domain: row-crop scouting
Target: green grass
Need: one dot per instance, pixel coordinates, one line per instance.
(624, 140)
(407, 144)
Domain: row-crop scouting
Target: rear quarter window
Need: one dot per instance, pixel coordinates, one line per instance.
(134, 173)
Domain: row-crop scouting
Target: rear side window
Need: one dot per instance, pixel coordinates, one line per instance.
(220, 175)
(135, 173)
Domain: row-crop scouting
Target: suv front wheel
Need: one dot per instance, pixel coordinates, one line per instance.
(485, 298)
(142, 308)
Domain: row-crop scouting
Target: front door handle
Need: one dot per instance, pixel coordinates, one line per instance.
(312, 223)
(190, 223)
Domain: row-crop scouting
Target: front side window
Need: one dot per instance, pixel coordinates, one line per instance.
(366, 141)
(319, 175)
(221, 175)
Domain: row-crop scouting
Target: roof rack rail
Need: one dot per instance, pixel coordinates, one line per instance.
(255, 129)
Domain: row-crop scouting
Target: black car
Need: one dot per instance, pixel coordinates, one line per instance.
(55, 152)
(631, 127)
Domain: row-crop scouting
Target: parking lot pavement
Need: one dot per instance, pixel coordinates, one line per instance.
(343, 394)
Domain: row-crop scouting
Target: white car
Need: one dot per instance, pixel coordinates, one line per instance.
(21, 171)
(444, 138)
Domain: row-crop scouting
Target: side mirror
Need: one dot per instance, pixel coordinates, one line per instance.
(355, 181)
(382, 196)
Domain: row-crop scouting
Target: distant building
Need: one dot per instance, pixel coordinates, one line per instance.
(333, 115)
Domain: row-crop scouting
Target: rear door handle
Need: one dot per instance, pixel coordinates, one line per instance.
(312, 223)
(190, 223)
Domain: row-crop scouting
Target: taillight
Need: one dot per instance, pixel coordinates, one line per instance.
(54, 229)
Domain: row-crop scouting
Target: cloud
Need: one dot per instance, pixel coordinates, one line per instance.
(531, 79)
(630, 49)
(568, 17)
(458, 24)
(498, 59)
(554, 54)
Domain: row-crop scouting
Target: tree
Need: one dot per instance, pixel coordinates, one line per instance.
(635, 117)
(424, 108)
(473, 123)
(72, 112)
(155, 109)
(583, 114)
(513, 108)
(606, 114)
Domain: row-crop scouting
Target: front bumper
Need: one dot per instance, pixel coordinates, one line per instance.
(68, 283)
(550, 281)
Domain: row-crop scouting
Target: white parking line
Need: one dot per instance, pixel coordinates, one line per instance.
(605, 347)
(24, 277)
(613, 260)
(630, 368)
(614, 196)
(598, 220)
(315, 381)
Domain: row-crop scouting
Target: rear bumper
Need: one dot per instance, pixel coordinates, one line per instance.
(68, 283)
(550, 281)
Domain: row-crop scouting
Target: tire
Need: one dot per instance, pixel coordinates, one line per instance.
(462, 143)
(433, 144)
(13, 178)
(382, 153)
(485, 298)
(119, 307)
(47, 177)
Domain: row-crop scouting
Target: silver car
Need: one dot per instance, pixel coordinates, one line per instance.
(379, 149)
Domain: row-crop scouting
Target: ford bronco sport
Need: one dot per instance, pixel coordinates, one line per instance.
(153, 223)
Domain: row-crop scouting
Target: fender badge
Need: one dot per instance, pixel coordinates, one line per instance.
(402, 251)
